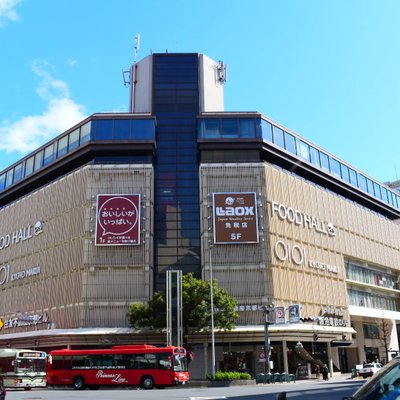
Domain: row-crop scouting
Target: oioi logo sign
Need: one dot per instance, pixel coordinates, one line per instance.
(118, 219)
(235, 218)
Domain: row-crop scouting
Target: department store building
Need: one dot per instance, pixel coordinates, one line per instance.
(91, 221)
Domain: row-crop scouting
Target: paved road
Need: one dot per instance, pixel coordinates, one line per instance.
(302, 390)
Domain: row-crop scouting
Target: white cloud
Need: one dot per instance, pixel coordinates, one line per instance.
(7, 10)
(62, 113)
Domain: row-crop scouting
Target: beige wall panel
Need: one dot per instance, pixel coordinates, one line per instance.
(242, 284)
(360, 234)
(65, 250)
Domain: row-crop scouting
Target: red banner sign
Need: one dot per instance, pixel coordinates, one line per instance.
(118, 219)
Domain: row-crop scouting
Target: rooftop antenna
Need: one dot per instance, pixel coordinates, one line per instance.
(128, 76)
(137, 46)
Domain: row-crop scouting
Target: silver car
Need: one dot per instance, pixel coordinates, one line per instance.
(384, 384)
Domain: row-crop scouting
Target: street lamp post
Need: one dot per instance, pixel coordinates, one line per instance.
(212, 317)
(267, 310)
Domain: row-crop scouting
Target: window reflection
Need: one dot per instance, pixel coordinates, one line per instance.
(18, 170)
(335, 167)
(303, 150)
(314, 153)
(9, 178)
(324, 161)
(290, 143)
(29, 164)
(266, 130)
(278, 137)
(38, 160)
(73, 140)
(345, 173)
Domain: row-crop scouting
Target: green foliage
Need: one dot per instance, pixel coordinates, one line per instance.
(196, 308)
(229, 376)
(151, 315)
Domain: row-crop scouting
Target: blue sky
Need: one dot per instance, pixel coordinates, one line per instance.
(327, 70)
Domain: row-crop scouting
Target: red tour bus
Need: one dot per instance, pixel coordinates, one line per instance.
(143, 366)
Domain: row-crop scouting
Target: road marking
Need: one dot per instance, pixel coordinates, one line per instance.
(209, 398)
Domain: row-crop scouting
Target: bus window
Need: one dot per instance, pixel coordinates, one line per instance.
(165, 361)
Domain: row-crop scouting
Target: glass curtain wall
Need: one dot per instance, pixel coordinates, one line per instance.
(177, 213)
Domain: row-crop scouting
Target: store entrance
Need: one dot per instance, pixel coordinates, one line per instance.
(237, 361)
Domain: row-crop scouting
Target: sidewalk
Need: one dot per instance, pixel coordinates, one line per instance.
(337, 377)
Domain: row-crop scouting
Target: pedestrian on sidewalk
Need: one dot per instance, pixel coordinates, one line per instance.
(325, 371)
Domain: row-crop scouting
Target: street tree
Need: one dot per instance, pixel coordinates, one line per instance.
(196, 313)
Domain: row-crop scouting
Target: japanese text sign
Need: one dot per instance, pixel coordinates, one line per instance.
(118, 219)
(235, 218)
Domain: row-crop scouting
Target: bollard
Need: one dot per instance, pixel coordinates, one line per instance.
(282, 396)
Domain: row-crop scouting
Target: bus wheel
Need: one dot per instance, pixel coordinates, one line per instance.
(79, 383)
(147, 382)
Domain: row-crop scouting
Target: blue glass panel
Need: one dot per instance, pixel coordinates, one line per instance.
(85, 133)
(73, 140)
(18, 172)
(247, 128)
(49, 155)
(314, 153)
(324, 161)
(229, 128)
(353, 177)
(2, 181)
(384, 194)
(335, 167)
(142, 129)
(266, 128)
(38, 160)
(122, 129)
(62, 146)
(377, 190)
(103, 129)
(303, 150)
(370, 187)
(29, 164)
(345, 172)
(290, 143)
(9, 177)
(362, 182)
(392, 199)
(278, 136)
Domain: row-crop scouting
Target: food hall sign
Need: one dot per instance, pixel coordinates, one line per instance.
(235, 218)
(299, 218)
(21, 235)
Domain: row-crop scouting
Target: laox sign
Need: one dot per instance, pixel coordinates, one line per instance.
(234, 211)
(235, 217)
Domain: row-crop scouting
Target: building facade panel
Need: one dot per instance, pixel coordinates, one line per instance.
(54, 263)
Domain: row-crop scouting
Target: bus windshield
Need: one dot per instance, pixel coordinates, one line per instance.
(30, 365)
(179, 363)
